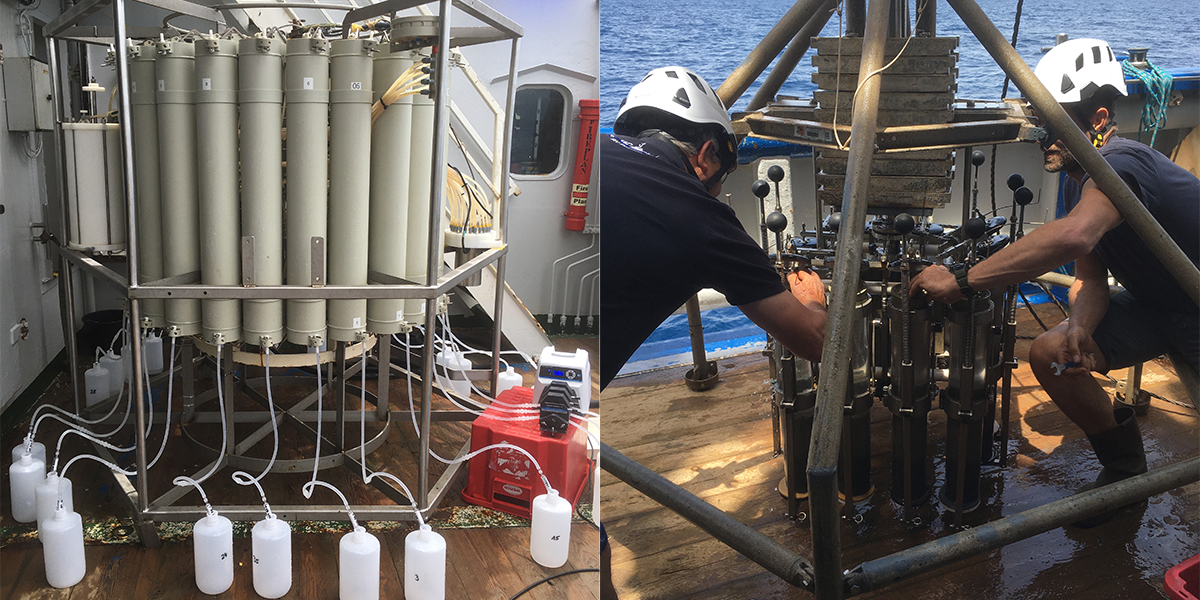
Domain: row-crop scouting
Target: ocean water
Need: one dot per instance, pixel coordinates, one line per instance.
(713, 36)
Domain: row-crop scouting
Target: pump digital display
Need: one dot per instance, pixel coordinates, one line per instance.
(560, 373)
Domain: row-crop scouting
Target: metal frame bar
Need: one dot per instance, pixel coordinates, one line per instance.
(436, 284)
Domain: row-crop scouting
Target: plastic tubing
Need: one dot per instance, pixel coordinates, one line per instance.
(58, 447)
(184, 480)
(244, 478)
(317, 458)
(308, 490)
(224, 430)
(362, 448)
(63, 475)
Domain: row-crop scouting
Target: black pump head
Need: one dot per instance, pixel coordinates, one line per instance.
(904, 223)
(1015, 181)
(978, 158)
(833, 221)
(974, 228)
(1023, 196)
(775, 173)
(760, 188)
(776, 221)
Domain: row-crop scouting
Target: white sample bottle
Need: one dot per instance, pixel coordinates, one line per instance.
(451, 372)
(212, 540)
(507, 380)
(154, 354)
(112, 363)
(358, 566)
(62, 548)
(37, 449)
(550, 534)
(424, 565)
(96, 383)
(47, 493)
(272, 555)
(23, 478)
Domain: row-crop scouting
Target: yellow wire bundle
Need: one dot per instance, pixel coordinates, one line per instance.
(468, 213)
(408, 83)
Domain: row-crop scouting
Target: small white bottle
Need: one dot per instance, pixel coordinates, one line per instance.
(212, 539)
(272, 555)
(96, 383)
(37, 449)
(62, 547)
(112, 363)
(47, 494)
(550, 534)
(23, 479)
(424, 565)
(358, 566)
(451, 371)
(507, 380)
(154, 354)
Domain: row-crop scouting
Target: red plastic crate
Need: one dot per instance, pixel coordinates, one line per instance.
(1182, 582)
(504, 479)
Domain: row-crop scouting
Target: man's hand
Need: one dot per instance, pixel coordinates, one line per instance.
(1078, 347)
(807, 288)
(938, 283)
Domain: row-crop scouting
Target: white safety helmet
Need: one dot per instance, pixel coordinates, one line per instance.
(676, 96)
(677, 91)
(1075, 70)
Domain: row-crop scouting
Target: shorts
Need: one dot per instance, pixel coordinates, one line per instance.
(1131, 333)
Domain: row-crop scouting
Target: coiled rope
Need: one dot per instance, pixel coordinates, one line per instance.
(1158, 85)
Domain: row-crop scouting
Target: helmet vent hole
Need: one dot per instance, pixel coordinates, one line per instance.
(681, 98)
(696, 80)
(672, 75)
(1079, 62)
(1067, 84)
(1110, 54)
(1096, 54)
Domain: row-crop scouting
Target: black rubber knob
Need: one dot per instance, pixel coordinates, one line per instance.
(974, 228)
(1015, 181)
(833, 221)
(776, 221)
(904, 223)
(775, 173)
(977, 158)
(760, 188)
(1023, 196)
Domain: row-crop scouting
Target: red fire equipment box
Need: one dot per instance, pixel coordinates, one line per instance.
(505, 479)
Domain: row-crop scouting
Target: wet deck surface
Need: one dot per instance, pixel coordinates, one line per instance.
(718, 445)
(488, 552)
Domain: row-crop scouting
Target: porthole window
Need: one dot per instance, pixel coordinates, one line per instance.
(537, 135)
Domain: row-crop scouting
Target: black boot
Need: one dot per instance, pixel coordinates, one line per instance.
(1121, 452)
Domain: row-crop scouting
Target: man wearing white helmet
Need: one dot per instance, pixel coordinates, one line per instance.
(666, 236)
(1153, 316)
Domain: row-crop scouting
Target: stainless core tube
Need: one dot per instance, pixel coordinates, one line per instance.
(260, 100)
(217, 158)
(349, 182)
(307, 92)
(391, 140)
(175, 70)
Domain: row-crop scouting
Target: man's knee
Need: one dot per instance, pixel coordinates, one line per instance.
(1044, 351)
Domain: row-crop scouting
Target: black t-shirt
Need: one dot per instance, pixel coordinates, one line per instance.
(664, 239)
(1172, 195)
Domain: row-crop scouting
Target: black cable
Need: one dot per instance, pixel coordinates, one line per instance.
(555, 576)
(1016, 28)
(1031, 311)
(1053, 298)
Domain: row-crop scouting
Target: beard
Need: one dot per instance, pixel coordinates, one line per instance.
(1059, 159)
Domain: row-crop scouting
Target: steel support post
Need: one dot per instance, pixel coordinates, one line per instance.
(791, 57)
(768, 553)
(1132, 210)
(929, 556)
(771, 45)
(835, 359)
(383, 364)
(502, 158)
(66, 289)
(856, 13)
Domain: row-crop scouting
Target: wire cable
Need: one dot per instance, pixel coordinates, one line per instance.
(551, 578)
